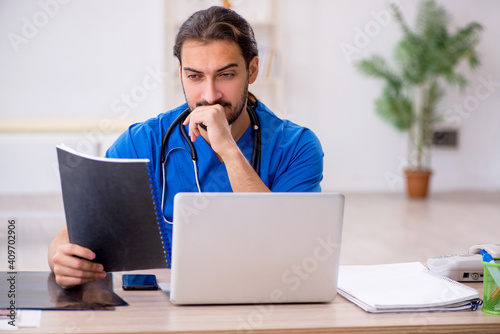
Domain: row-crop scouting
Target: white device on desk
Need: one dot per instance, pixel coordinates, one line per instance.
(463, 267)
(246, 248)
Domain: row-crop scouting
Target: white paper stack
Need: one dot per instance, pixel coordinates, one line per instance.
(403, 287)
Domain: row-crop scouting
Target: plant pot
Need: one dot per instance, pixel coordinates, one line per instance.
(417, 182)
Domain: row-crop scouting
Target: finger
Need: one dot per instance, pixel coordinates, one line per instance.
(79, 264)
(75, 257)
(77, 250)
(195, 133)
(193, 130)
(187, 120)
(68, 277)
(71, 272)
(67, 282)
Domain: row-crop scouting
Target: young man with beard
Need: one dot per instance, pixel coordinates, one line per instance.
(218, 60)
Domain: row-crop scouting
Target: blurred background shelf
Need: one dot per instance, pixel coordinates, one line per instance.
(63, 124)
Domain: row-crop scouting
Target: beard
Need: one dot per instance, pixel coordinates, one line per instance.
(234, 112)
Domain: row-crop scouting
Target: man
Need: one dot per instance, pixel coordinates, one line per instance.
(218, 59)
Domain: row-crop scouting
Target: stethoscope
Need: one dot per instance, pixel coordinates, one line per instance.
(194, 154)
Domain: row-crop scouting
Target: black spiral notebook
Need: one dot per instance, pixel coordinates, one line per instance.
(112, 207)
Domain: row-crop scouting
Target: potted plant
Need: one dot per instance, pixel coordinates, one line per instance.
(427, 58)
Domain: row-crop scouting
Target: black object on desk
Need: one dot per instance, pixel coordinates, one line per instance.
(112, 207)
(39, 290)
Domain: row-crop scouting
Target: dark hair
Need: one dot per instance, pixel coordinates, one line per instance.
(218, 23)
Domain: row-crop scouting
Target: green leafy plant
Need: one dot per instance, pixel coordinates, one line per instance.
(426, 58)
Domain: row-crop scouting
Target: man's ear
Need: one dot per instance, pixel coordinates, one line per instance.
(180, 69)
(253, 70)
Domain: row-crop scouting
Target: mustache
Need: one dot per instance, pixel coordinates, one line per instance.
(221, 102)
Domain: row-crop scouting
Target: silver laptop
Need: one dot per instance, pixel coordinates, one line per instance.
(245, 248)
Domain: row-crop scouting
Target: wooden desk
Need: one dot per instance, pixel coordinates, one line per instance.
(378, 228)
(152, 312)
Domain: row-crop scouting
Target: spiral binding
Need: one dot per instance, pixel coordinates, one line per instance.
(449, 280)
(473, 304)
(476, 303)
(159, 216)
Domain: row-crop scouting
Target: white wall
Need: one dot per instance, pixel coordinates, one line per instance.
(77, 59)
(325, 92)
(86, 57)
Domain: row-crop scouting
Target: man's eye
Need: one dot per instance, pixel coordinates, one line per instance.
(227, 75)
(193, 76)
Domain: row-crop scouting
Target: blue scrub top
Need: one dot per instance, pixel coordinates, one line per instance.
(291, 156)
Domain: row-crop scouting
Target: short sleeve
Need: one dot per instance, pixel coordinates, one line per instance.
(304, 170)
(134, 143)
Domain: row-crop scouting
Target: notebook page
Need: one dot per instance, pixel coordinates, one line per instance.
(402, 285)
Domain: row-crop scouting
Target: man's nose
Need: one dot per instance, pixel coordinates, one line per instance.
(210, 92)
